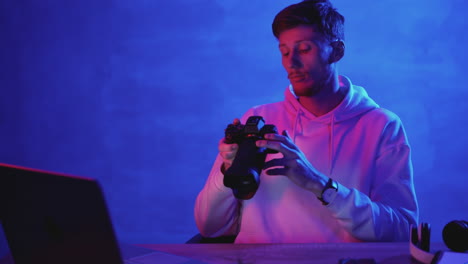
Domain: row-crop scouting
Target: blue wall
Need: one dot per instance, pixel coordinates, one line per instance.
(137, 94)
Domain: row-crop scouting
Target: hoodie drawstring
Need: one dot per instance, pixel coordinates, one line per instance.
(331, 145)
(296, 121)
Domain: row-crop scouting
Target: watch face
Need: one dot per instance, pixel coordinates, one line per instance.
(328, 195)
(330, 192)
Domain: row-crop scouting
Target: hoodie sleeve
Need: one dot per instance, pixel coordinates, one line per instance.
(389, 210)
(216, 208)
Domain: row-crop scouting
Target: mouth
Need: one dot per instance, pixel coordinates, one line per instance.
(296, 77)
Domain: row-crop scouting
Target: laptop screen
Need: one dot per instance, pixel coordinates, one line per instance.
(55, 218)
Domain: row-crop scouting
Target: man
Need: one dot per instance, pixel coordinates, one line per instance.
(336, 145)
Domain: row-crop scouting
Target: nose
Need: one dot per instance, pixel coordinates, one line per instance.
(292, 61)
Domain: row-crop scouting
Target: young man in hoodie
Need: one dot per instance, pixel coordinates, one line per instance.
(343, 171)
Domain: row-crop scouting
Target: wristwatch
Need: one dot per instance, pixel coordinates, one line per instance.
(329, 192)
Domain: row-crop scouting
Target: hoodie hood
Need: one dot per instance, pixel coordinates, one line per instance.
(356, 102)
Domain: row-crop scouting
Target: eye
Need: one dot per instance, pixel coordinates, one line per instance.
(284, 52)
(304, 50)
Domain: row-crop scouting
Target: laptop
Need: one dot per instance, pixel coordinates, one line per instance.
(55, 218)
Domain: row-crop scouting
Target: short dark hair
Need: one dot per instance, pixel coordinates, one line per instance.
(319, 13)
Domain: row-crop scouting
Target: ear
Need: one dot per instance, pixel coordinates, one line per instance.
(337, 52)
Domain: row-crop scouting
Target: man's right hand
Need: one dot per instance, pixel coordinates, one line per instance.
(228, 151)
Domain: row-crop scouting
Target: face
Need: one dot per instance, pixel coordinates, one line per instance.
(305, 56)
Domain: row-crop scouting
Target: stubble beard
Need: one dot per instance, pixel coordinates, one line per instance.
(310, 90)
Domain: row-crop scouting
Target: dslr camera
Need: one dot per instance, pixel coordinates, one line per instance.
(243, 177)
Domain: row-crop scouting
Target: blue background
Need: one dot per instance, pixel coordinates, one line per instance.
(137, 94)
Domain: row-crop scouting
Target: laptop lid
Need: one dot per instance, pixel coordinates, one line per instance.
(55, 218)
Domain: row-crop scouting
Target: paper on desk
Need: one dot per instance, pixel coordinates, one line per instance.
(453, 258)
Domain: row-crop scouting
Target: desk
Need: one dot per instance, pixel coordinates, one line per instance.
(382, 253)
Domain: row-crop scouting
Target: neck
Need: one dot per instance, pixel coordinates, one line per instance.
(329, 97)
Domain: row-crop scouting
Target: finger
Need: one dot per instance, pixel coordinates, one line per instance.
(277, 137)
(282, 138)
(223, 146)
(275, 145)
(274, 163)
(230, 155)
(276, 171)
(285, 139)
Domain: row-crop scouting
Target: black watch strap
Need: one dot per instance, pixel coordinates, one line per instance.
(332, 186)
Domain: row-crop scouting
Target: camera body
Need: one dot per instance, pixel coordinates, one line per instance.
(243, 177)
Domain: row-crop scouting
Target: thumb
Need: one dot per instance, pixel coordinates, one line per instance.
(286, 134)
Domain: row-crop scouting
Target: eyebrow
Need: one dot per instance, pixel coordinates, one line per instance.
(297, 42)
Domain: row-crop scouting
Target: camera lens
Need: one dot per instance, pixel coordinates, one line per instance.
(455, 235)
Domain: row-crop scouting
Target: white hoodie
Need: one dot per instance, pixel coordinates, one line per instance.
(360, 145)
